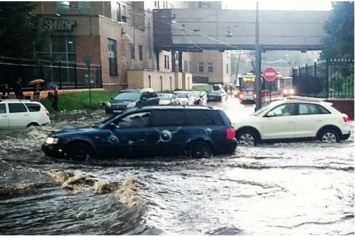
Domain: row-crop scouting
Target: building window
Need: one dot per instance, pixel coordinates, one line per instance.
(63, 7)
(140, 51)
(112, 57)
(124, 14)
(200, 67)
(166, 62)
(60, 48)
(203, 5)
(186, 67)
(133, 51)
(119, 13)
(209, 67)
(227, 69)
(84, 8)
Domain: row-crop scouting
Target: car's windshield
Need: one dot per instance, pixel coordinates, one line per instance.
(258, 112)
(130, 96)
(216, 91)
(181, 95)
(196, 93)
(164, 96)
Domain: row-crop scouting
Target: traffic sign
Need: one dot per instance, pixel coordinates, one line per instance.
(269, 74)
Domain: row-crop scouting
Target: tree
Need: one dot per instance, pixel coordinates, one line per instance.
(340, 29)
(19, 36)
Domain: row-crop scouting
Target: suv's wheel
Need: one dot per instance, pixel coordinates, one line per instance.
(247, 138)
(329, 136)
(79, 152)
(199, 150)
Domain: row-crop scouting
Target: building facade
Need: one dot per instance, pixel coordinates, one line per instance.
(118, 36)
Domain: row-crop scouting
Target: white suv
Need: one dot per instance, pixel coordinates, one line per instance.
(293, 120)
(15, 113)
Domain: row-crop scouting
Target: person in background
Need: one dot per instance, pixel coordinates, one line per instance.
(18, 89)
(54, 97)
(5, 91)
(36, 93)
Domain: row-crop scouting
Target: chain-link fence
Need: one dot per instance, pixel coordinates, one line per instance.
(66, 75)
(333, 78)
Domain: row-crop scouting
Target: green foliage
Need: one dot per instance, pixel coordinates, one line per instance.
(18, 33)
(340, 29)
(341, 86)
(78, 101)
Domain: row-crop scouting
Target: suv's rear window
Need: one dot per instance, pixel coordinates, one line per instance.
(17, 107)
(2, 108)
(204, 118)
(32, 107)
(170, 118)
(129, 96)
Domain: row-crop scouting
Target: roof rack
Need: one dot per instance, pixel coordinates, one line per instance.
(309, 99)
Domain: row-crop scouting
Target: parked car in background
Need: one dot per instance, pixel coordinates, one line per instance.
(168, 99)
(131, 98)
(290, 119)
(16, 113)
(147, 132)
(185, 97)
(200, 97)
(217, 95)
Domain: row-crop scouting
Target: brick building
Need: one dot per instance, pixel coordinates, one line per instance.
(118, 36)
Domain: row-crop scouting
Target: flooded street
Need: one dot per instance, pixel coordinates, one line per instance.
(281, 188)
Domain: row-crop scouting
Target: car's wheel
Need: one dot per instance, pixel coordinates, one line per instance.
(32, 124)
(199, 150)
(329, 136)
(79, 152)
(247, 138)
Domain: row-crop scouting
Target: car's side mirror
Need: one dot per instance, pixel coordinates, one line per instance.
(112, 126)
(271, 114)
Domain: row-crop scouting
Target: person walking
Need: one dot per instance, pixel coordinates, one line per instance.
(36, 93)
(55, 94)
(5, 91)
(18, 89)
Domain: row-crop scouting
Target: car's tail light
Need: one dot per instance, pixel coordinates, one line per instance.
(47, 112)
(254, 95)
(346, 118)
(230, 132)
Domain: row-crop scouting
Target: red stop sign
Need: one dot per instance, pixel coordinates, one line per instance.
(269, 74)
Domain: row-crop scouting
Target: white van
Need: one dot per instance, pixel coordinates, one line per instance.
(18, 113)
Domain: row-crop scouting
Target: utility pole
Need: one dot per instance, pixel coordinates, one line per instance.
(257, 62)
(88, 61)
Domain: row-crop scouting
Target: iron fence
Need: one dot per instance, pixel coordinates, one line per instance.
(66, 75)
(333, 78)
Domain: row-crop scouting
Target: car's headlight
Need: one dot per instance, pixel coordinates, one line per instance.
(108, 104)
(292, 91)
(285, 91)
(51, 140)
(133, 104)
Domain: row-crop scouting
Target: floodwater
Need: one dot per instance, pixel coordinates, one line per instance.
(282, 188)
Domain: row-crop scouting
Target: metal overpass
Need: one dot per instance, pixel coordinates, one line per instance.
(221, 29)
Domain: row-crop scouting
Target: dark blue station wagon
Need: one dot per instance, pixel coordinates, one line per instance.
(194, 131)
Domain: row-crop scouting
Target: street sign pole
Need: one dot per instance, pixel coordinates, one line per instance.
(88, 60)
(257, 62)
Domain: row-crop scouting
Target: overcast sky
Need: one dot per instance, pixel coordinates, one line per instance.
(323, 5)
